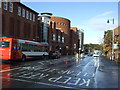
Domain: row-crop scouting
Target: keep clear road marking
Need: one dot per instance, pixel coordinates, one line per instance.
(70, 80)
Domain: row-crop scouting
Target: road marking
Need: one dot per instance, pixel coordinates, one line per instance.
(17, 73)
(54, 79)
(70, 80)
(78, 73)
(39, 83)
(52, 70)
(41, 63)
(46, 69)
(43, 76)
(85, 82)
(66, 80)
(76, 82)
(25, 75)
(32, 76)
(9, 69)
(78, 65)
(85, 74)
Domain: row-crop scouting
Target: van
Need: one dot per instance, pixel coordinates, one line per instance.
(96, 53)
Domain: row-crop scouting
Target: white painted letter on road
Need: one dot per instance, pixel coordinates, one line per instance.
(64, 80)
(54, 79)
(85, 82)
(74, 81)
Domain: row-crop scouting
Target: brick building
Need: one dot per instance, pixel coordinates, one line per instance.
(59, 34)
(107, 47)
(19, 21)
(117, 41)
(74, 40)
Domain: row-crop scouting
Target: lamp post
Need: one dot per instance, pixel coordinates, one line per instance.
(112, 39)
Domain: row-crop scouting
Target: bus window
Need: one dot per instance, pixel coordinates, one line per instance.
(16, 46)
(4, 44)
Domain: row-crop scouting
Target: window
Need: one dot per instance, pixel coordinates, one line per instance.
(11, 7)
(19, 11)
(33, 17)
(53, 37)
(23, 12)
(30, 16)
(4, 44)
(58, 38)
(5, 5)
(27, 15)
(63, 40)
(0, 3)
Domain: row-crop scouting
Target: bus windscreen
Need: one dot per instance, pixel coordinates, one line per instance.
(4, 44)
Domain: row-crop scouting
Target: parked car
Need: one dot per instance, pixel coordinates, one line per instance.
(54, 54)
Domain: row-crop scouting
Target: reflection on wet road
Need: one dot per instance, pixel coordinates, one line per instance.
(66, 72)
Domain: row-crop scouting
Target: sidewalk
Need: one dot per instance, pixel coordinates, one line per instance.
(108, 74)
(107, 65)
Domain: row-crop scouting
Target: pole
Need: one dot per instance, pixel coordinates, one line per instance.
(113, 42)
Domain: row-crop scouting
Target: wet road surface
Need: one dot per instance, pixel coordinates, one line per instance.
(65, 72)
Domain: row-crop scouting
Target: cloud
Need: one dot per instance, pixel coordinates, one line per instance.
(105, 14)
(99, 22)
(95, 26)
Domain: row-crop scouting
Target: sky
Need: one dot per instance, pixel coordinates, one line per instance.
(89, 16)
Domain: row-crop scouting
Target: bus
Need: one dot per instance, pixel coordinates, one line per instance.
(11, 48)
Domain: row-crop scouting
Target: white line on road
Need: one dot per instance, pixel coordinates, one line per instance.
(38, 82)
(41, 63)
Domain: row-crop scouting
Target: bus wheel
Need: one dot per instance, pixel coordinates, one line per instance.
(23, 58)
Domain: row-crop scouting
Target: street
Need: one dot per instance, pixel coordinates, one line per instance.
(65, 72)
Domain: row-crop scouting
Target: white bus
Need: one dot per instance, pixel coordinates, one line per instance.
(33, 49)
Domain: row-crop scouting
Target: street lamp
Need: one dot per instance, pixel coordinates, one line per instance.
(112, 39)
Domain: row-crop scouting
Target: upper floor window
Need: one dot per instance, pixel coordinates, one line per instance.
(33, 17)
(53, 37)
(27, 14)
(5, 5)
(0, 3)
(63, 40)
(58, 38)
(19, 11)
(23, 12)
(11, 7)
(30, 16)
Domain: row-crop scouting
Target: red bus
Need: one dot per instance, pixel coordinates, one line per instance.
(11, 49)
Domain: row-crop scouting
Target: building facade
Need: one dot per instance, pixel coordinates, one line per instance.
(74, 41)
(19, 21)
(107, 46)
(81, 40)
(117, 41)
(59, 34)
(44, 26)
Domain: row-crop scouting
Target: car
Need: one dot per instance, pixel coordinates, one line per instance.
(54, 54)
(90, 54)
